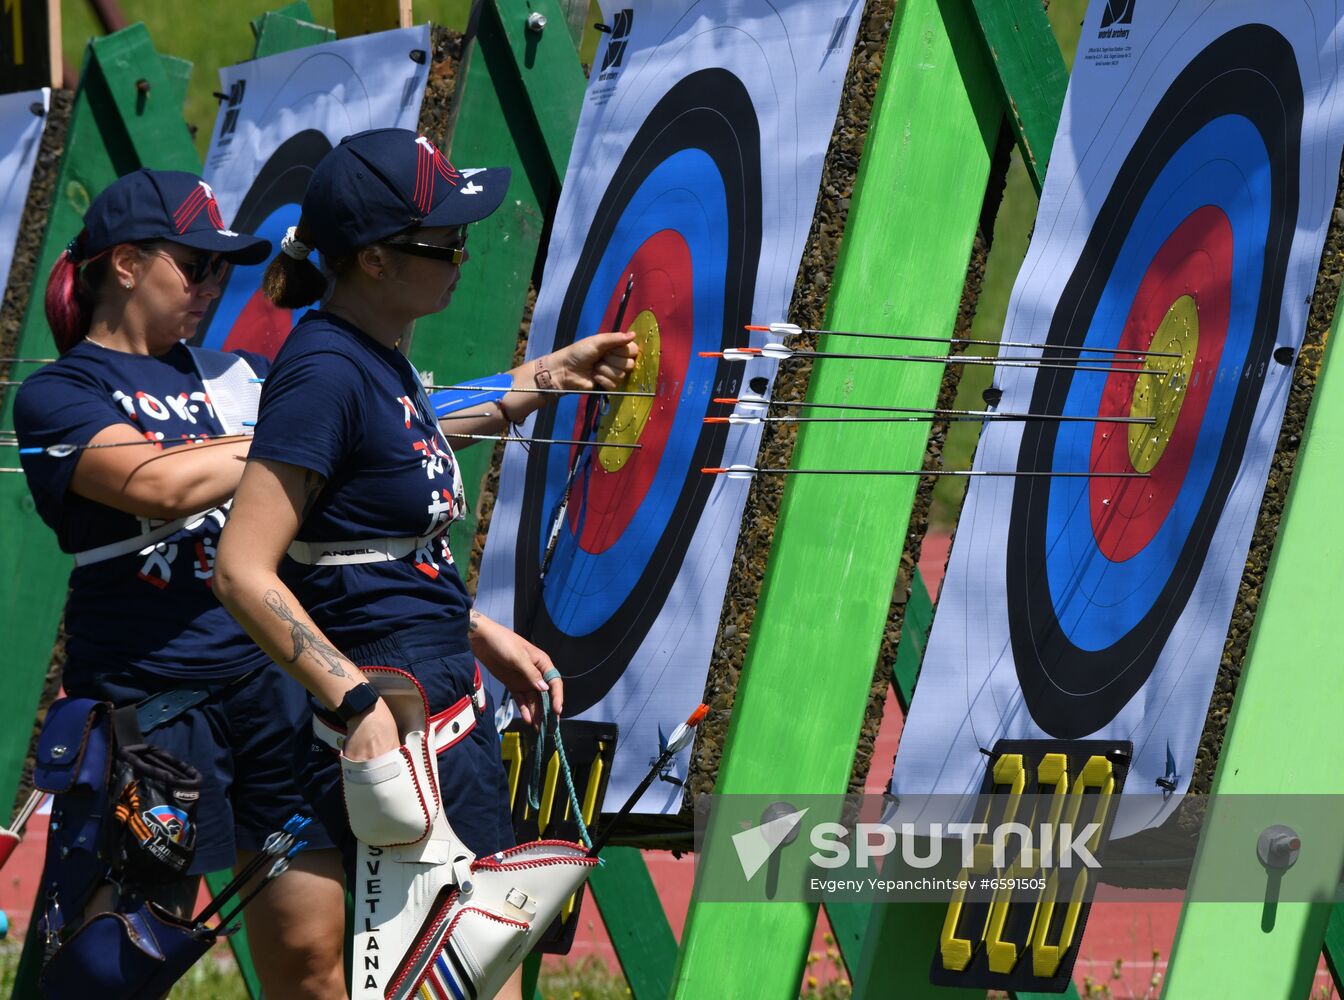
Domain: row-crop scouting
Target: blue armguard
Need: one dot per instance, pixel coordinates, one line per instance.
(471, 393)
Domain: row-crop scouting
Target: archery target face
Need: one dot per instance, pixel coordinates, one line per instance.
(1187, 257)
(681, 215)
(1188, 196)
(279, 116)
(242, 317)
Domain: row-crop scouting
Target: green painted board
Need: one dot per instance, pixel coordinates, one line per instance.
(635, 921)
(1283, 738)
(1030, 74)
(548, 68)
(477, 333)
(915, 211)
(282, 31)
(914, 638)
(1334, 945)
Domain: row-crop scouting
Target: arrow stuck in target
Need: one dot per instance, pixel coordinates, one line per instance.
(792, 330)
(760, 401)
(780, 352)
(747, 472)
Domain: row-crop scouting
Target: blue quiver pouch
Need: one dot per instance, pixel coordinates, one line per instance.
(125, 956)
(74, 762)
(74, 750)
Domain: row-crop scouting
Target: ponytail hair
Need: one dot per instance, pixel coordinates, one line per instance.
(72, 293)
(291, 280)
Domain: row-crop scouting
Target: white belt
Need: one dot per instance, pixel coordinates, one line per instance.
(367, 550)
(142, 541)
(446, 729)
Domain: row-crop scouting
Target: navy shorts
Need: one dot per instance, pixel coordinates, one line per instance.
(242, 742)
(473, 785)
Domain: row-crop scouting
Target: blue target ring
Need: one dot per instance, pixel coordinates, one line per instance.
(692, 169)
(1098, 600)
(685, 193)
(1223, 142)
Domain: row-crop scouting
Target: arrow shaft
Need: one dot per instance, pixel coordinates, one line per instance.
(953, 359)
(935, 472)
(1026, 345)
(985, 414)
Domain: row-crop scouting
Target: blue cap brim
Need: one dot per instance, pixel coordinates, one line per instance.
(240, 249)
(481, 192)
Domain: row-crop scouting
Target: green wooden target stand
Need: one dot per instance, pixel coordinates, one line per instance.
(954, 71)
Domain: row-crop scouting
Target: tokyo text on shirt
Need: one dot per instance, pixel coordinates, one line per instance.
(151, 608)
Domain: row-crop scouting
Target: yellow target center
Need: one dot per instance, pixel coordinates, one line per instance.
(1161, 396)
(624, 422)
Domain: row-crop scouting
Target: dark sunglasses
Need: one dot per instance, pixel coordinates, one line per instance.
(453, 254)
(199, 268)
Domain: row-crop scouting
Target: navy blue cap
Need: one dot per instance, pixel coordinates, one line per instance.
(380, 182)
(166, 205)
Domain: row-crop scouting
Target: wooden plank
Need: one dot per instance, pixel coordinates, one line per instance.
(280, 32)
(1334, 945)
(478, 332)
(915, 210)
(914, 638)
(548, 68)
(1030, 74)
(1283, 739)
(145, 104)
(363, 17)
(635, 921)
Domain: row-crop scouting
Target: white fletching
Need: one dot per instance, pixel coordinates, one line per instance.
(777, 351)
(740, 472)
(786, 329)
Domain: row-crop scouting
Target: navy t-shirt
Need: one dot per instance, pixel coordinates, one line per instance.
(353, 411)
(150, 610)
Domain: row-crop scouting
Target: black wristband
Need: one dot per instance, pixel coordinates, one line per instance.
(358, 699)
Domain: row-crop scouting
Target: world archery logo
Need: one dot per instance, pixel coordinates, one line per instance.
(1116, 12)
(168, 821)
(620, 37)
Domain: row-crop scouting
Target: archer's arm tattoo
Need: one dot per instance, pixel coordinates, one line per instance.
(473, 620)
(304, 639)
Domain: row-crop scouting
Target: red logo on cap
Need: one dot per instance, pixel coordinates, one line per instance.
(429, 164)
(201, 199)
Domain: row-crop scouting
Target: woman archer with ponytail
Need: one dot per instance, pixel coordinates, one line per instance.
(153, 443)
(336, 556)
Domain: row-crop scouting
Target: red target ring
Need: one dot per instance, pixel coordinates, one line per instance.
(1195, 260)
(663, 284)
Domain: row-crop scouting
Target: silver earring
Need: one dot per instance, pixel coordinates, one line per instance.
(125, 284)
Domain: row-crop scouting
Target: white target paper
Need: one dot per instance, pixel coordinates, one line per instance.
(337, 88)
(280, 116)
(1187, 168)
(20, 136)
(686, 100)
